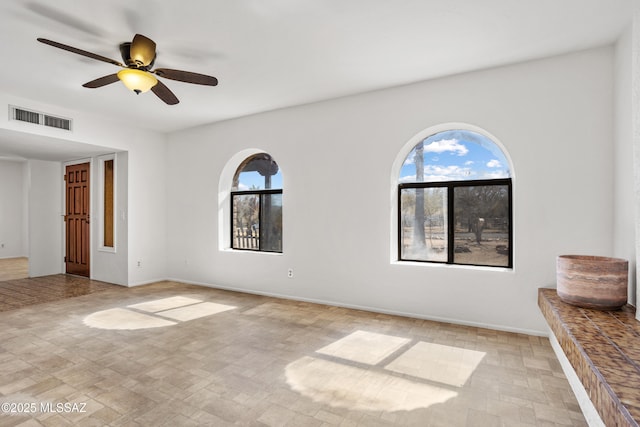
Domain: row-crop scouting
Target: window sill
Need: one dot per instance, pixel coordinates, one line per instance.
(230, 250)
(453, 266)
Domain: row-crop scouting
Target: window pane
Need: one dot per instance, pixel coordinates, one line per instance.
(423, 230)
(246, 228)
(271, 222)
(258, 172)
(107, 231)
(454, 155)
(481, 234)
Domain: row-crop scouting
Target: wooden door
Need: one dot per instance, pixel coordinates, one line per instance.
(77, 219)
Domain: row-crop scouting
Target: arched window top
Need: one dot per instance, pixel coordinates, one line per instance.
(455, 200)
(257, 172)
(256, 205)
(455, 155)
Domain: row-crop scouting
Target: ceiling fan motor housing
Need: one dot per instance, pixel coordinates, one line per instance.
(137, 75)
(125, 52)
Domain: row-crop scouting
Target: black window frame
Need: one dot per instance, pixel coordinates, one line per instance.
(451, 186)
(260, 194)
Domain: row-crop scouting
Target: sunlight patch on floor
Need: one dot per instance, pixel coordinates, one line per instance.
(123, 319)
(349, 372)
(355, 388)
(435, 362)
(178, 308)
(164, 304)
(364, 347)
(195, 311)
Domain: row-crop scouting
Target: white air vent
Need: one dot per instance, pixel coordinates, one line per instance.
(38, 118)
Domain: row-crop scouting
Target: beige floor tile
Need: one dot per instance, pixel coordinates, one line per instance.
(439, 363)
(124, 319)
(165, 304)
(268, 362)
(364, 347)
(195, 311)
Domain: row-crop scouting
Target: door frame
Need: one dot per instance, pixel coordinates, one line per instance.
(91, 162)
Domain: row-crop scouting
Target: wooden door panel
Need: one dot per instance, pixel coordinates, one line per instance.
(77, 219)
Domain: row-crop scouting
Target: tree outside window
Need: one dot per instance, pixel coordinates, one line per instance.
(455, 201)
(256, 205)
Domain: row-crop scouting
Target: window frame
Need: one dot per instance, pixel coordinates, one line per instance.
(102, 205)
(451, 186)
(259, 193)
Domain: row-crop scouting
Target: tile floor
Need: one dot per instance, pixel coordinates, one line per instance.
(14, 268)
(18, 293)
(224, 358)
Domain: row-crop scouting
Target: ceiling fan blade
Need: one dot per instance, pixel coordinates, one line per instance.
(186, 76)
(164, 93)
(143, 50)
(80, 51)
(102, 81)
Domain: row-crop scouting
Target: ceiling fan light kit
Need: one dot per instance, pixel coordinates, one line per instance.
(137, 80)
(139, 56)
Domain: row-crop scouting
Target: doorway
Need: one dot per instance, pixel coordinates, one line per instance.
(77, 201)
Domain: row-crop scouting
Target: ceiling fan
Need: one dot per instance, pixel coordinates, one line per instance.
(137, 74)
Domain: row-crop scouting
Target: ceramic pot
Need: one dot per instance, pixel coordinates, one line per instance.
(592, 281)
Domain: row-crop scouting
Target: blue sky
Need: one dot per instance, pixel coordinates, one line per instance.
(250, 179)
(457, 155)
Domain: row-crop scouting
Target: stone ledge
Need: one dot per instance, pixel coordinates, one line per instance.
(603, 348)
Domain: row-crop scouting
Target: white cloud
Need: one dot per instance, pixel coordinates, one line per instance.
(494, 163)
(436, 173)
(408, 178)
(446, 173)
(446, 145)
(469, 162)
(495, 175)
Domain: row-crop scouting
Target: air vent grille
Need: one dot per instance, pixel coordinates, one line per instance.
(26, 116)
(37, 118)
(57, 122)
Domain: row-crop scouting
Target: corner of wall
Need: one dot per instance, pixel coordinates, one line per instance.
(635, 114)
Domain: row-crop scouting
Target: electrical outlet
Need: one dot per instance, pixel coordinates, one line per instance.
(1, 245)
(290, 273)
(139, 263)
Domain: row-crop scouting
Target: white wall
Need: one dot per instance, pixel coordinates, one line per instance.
(12, 209)
(111, 265)
(635, 123)
(25, 209)
(554, 116)
(147, 213)
(624, 193)
(144, 202)
(45, 218)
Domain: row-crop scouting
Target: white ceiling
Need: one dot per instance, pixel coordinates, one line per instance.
(270, 54)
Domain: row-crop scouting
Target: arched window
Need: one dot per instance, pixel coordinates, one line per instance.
(256, 205)
(454, 195)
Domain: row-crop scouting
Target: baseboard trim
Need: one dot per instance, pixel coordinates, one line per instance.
(368, 308)
(149, 282)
